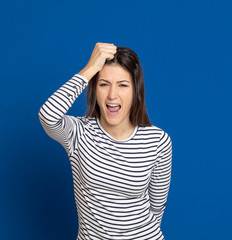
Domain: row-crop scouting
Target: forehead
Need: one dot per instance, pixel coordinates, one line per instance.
(113, 72)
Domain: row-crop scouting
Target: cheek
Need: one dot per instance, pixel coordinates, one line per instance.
(129, 96)
(128, 99)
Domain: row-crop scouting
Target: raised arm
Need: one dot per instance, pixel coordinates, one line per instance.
(59, 126)
(161, 176)
(101, 52)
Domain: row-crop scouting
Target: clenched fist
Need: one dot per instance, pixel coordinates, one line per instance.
(101, 52)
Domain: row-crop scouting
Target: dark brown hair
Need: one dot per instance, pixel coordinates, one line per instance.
(129, 60)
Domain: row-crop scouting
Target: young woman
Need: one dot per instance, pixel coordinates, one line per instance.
(121, 163)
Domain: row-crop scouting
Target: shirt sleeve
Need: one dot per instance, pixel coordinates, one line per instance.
(161, 177)
(52, 115)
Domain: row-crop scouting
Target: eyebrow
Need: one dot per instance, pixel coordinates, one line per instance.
(117, 81)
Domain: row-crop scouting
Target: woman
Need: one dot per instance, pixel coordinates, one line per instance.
(121, 163)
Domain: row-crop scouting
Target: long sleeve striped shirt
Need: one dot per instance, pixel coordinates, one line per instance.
(120, 186)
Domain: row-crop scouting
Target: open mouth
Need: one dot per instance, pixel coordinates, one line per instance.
(113, 108)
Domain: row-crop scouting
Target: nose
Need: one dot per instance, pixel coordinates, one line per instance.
(112, 94)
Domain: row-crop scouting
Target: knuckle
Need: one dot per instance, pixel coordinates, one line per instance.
(98, 45)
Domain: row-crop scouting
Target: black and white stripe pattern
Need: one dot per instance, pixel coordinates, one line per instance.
(120, 187)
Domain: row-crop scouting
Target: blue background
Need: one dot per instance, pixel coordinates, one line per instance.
(185, 51)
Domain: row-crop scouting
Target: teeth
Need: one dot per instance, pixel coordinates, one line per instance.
(113, 105)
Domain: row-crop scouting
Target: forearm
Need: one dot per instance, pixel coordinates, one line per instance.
(88, 72)
(57, 105)
(161, 177)
(59, 126)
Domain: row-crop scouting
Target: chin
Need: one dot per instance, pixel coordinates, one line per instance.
(113, 122)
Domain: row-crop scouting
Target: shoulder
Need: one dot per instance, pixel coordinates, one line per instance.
(87, 123)
(151, 130)
(154, 132)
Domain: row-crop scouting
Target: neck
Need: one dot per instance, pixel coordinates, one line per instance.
(119, 132)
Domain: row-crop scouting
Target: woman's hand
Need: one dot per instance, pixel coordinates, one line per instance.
(101, 52)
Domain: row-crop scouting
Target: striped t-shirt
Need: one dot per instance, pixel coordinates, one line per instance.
(120, 186)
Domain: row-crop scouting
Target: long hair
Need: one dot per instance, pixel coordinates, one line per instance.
(129, 60)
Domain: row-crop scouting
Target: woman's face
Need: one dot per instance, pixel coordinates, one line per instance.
(114, 94)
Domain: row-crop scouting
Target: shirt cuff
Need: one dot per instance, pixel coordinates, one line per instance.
(82, 77)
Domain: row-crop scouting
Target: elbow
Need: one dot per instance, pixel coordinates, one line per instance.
(47, 119)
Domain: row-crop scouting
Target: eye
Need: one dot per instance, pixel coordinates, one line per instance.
(123, 85)
(103, 84)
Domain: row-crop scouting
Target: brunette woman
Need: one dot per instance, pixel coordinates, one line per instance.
(121, 163)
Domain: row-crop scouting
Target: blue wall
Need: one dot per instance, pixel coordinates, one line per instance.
(185, 51)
